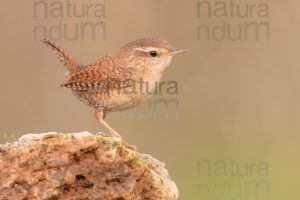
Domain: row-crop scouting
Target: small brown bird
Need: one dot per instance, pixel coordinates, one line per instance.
(120, 80)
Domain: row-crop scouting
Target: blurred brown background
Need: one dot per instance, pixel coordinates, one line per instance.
(239, 100)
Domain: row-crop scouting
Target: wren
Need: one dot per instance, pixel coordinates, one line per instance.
(105, 84)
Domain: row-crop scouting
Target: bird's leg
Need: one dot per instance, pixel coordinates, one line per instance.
(99, 114)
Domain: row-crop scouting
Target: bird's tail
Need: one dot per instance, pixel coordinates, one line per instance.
(69, 61)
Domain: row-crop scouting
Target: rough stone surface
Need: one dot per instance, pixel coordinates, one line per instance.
(54, 166)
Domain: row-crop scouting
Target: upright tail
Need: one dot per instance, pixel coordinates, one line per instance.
(70, 62)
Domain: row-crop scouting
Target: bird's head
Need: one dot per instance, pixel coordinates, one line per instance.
(149, 53)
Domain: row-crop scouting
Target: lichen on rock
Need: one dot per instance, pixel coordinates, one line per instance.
(80, 166)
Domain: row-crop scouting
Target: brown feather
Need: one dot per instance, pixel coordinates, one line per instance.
(101, 76)
(69, 61)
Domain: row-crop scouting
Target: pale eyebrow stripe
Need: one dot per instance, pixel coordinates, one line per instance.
(145, 49)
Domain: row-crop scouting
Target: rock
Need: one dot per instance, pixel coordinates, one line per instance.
(55, 166)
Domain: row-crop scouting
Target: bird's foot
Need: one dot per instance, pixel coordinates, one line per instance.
(125, 143)
(130, 146)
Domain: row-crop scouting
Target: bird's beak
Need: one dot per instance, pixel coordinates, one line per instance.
(177, 51)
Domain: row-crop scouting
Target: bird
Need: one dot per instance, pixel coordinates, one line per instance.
(119, 80)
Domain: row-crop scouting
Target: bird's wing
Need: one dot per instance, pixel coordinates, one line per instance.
(103, 76)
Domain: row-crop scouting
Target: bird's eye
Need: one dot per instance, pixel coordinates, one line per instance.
(153, 53)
